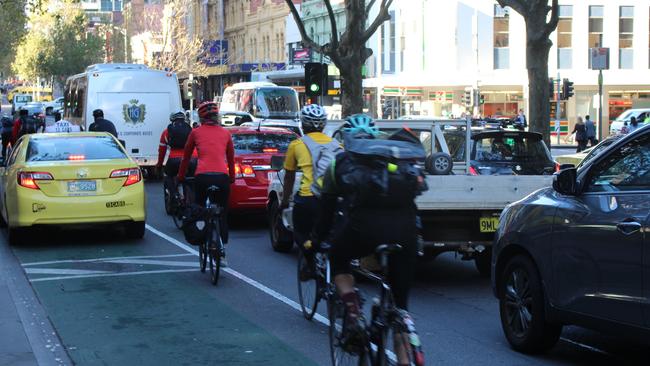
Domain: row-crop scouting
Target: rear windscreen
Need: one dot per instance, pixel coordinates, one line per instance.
(518, 148)
(74, 148)
(23, 98)
(262, 142)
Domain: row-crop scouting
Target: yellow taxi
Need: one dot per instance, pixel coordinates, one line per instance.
(70, 178)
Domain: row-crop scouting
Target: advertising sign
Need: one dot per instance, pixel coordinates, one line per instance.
(300, 55)
(215, 52)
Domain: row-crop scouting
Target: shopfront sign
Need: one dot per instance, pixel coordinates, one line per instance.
(401, 91)
(215, 52)
(259, 67)
(441, 96)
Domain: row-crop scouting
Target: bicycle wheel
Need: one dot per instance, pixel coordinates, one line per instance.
(214, 252)
(177, 216)
(308, 291)
(343, 355)
(401, 342)
(203, 256)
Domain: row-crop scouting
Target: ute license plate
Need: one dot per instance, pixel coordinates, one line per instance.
(80, 186)
(488, 224)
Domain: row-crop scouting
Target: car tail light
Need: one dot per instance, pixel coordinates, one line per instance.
(132, 175)
(30, 179)
(269, 150)
(244, 170)
(77, 157)
(557, 167)
(472, 171)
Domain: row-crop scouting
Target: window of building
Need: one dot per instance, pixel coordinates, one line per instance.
(501, 37)
(596, 14)
(402, 43)
(391, 42)
(564, 34)
(625, 37)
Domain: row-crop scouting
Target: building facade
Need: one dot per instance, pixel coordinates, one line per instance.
(431, 51)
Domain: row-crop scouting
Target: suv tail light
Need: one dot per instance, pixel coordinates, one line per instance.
(244, 170)
(29, 179)
(557, 167)
(132, 175)
(472, 171)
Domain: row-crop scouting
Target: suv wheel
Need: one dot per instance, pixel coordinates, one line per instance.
(281, 238)
(439, 164)
(521, 306)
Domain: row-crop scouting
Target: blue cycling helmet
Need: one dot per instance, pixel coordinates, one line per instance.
(360, 124)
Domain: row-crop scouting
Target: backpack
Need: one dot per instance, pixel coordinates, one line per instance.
(7, 125)
(177, 134)
(381, 174)
(322, 156)
(28, 125)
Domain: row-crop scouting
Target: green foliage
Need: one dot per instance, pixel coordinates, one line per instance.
(12, 28)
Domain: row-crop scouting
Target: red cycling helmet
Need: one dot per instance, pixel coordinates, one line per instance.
(208, 109)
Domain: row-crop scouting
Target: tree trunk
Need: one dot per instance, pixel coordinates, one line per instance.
(538, 91)
(351, 86)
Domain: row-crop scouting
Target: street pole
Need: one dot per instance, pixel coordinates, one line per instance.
(191, 87)
(600, 105)
(558, 127)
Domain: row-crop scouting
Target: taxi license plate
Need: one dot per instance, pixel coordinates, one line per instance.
(488, 224)
(82, 186)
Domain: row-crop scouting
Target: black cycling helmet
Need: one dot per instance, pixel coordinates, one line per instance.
(98, 113)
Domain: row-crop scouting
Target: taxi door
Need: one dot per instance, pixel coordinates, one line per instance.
(6, 173)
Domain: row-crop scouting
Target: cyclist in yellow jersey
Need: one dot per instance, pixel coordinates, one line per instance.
(306, 205)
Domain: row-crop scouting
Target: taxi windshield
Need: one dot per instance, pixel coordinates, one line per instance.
(74, 148)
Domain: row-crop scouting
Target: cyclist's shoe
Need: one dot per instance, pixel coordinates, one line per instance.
(307, 271)
(353, 337)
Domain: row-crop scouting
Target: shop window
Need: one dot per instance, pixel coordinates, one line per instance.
(596, 14)
(564, 35)
(501, 42)
(626, 37)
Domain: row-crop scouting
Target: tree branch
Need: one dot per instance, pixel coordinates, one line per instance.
(369, 7)
(555, 18)
(517, 5)
(306, 40)
(335, 32)
(381, 17)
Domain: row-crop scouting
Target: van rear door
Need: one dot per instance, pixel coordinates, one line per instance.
(139, 119)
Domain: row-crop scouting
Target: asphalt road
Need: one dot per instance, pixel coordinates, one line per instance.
(120, 302)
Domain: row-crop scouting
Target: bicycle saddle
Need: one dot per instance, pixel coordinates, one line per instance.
(388, 248)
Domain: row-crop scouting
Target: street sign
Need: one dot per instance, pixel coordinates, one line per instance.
(599, 58)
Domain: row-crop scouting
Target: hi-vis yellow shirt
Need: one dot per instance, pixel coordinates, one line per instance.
(299, 158)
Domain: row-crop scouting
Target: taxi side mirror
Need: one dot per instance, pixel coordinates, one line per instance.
(277, 162)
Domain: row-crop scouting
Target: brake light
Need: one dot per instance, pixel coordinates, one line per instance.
(269, 150)
(76, 157)
(132, 175)
(472, 171)
(557, 167)
(29, 179)
(244, 170)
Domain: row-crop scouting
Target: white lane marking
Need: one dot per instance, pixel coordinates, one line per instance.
(248, 280)
(590, 348)
(62, 271)
(103, 259)
(153, 262)
(120, 274)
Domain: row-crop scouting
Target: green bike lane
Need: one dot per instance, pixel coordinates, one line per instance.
(119, 302)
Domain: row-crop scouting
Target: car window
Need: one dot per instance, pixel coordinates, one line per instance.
(596, 150)
(625, 169)
(510, 148)
(14, 153)
(74, 148)
(255, 143)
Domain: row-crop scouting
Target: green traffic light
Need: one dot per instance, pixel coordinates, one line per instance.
(314, 88)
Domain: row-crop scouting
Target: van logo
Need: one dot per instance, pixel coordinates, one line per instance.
(133, 113)
(82, 173)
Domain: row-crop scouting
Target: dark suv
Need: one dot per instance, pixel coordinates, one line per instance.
(577, 253)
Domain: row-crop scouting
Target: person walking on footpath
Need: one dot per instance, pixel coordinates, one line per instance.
(590, 128)
(581, 134)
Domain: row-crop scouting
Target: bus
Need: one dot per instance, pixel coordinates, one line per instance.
(138, 100)
(40, 94)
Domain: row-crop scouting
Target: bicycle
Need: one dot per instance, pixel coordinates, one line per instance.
(212, 249)
(177, 203)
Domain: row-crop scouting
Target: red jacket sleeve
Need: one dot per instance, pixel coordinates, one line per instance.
(14, 133)
(187, 154)
(230, 156)
(162, 149)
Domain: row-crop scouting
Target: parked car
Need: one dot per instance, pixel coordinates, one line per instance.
(51, 107)
(585, 155)
(640, 114)
(254, 148)
(577, 253)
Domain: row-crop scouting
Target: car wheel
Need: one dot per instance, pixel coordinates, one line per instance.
(135, 230)
(522, 308)
(281, 238)
(439, 164)
(483, 262)
(16, 235)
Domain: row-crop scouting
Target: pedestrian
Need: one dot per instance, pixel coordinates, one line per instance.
(634, 125)
(625, 130)
(520, 120)
(101, 124)
(646, 121)
(24, 125)
(581, 134)
(7, 128)
(590, 127)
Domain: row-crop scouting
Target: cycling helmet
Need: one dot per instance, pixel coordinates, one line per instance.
(360, 124)
(313, 118)
(179, 114)
(208, 109)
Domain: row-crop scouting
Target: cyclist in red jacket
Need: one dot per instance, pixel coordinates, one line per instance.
(216, 163)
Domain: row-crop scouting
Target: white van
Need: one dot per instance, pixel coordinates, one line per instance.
(640, 115)
(136, 99)
(19, 101)
(266, 103)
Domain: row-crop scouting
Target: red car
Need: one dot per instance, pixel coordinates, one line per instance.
(254, 148)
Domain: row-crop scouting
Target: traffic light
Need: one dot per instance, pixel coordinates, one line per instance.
(481, 99)
(467, 97)
(315, 79)
(567, 89)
